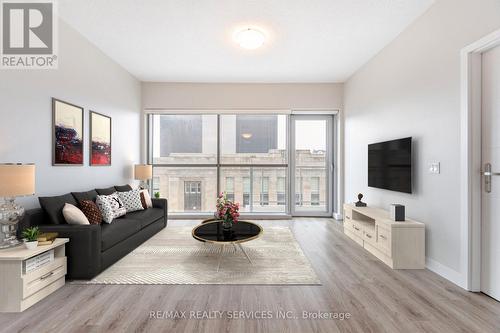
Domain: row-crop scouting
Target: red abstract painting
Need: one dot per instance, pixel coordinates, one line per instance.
(68, 133)
(100, 139)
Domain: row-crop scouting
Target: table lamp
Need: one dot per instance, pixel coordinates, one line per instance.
(15, 180)
(143, 172)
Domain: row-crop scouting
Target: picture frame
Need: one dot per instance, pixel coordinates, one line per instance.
(67, 134)
(100, 143)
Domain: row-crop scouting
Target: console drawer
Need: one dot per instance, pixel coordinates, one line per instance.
(369, 235)
(357, 228)
(347, 223)
(347, 211)
(384, 240)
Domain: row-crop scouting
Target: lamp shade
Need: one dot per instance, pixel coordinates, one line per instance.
(143, 171)
(17, 180)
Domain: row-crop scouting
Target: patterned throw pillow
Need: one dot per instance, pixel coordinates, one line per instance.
(143, 200)
(146, 199)
(131, 200)
(91, 211)
(110, 206)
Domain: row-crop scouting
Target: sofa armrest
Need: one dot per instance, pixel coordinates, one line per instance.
(83, 250)
(163, 204)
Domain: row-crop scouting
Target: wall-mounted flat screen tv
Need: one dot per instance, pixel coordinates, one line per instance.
(389, 165)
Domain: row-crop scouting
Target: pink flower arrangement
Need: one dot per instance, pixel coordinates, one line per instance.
(227, 210)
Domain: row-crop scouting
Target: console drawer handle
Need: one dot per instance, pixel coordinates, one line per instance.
(356, 228)
(368, 235)
(382, 236)
(347, 217)
(49, 274)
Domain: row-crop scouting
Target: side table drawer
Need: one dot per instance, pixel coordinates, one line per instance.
(43, 277)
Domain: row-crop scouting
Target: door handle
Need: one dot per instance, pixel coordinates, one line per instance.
(487, 173)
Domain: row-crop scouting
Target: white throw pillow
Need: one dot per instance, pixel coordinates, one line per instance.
(147, 198)
(131, 200)
(73, 215)
(110, 206)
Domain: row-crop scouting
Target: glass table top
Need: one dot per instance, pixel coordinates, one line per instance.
(242, 231)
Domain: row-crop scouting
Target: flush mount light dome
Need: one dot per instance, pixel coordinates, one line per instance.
(246, 136)
(250, 38)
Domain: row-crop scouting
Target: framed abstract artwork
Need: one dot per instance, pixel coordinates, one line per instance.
(100, 139)
(67, 133)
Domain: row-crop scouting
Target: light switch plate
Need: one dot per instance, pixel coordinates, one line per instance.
(435, 167)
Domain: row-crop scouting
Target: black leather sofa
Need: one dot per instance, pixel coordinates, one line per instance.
(93, 248)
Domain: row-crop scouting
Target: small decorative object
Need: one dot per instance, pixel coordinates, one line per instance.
(100, 139)
(30, 236)
(47, 238)
(67, 133)
(157, 195)
(15, 180)
(397, 212)
(359, 203)
(143, 172)
(227, 211)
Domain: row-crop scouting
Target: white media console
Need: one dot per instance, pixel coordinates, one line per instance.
(401, 245)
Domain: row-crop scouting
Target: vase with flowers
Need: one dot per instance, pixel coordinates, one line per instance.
(227, 211)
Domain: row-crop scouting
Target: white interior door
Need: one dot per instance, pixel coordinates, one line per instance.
(490, 225)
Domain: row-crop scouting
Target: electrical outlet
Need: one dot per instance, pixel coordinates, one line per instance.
(435, 167)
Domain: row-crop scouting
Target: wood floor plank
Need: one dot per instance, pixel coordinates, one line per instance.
(353, 281)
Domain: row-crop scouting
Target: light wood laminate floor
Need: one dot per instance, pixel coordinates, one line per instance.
(377, 298)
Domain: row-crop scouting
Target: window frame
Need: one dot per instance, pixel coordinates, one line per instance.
(220, 165)
(335, 194)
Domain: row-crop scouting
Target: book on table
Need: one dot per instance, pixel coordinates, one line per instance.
(45, 242)
(47, 236)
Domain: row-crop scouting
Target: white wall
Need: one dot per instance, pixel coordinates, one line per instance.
(267, 96)
(88, 78)
(412, 88)
(242, 95)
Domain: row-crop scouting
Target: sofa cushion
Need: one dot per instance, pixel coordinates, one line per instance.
(73, 215)
(119, 230)
(131, 200)
(81, 196)
(146, 199)
(146, 217)
(123, 188)
(53, 207)
(106, 191)
(111, 207)
(91, 211)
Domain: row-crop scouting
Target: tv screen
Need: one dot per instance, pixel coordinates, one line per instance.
(389, 165)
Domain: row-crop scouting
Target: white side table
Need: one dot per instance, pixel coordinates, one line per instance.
(20, 290)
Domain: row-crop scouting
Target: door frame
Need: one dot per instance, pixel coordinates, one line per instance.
(330, 155)
(470, 160)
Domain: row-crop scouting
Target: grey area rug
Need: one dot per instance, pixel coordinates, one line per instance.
(173, 257)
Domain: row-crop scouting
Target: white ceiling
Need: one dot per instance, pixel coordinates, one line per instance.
(191, 40)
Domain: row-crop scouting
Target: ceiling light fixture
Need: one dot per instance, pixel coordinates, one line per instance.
(250, 39)
(246, 136)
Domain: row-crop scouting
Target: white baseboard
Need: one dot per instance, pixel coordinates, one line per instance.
(338, 217)
(446, 272)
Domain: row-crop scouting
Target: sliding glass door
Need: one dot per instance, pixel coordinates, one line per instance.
(311, 165)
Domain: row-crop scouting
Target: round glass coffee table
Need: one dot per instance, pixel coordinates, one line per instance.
(213, 232)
